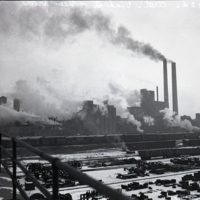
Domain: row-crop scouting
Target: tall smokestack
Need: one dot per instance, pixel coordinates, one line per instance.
(157, 92)
(166, 98)
(174, 89)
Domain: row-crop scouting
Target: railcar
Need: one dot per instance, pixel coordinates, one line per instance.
(151, 145)
(149, 137)
(131, 137)
(191, 142)
(168, 152)
(33, 141)
(141, 141)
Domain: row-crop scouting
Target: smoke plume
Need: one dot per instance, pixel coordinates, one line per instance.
(149, 120)
(122, 98)
(9, 116)
(131, 119)
(45, 103)
(52, 29)
(98, 107)
(173, 120)
(58, 24)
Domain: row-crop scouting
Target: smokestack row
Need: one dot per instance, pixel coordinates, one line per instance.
(174, 86)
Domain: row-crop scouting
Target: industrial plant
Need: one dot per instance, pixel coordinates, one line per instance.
(94, 119)
(150, 106)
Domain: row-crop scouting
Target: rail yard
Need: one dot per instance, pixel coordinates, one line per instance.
(172, 178)
(150, 166)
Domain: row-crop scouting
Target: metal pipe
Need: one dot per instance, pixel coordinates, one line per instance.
(0, 151)
(22, 192)
(14, 168)
(7, 170)
(55, 180)
(109, 192)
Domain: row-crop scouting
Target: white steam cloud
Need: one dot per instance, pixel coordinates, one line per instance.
(53, 28)
(173, 120)
(122, 98)
(100, 107)
(9, 116)
(45, 102)
(131, 119)
(149, 120)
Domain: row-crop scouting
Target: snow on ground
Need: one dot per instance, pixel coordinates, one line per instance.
(154, 193)
(5, 178)
(110, 153)
(108, 176)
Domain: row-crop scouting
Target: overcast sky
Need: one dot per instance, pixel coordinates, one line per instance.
(55, 55)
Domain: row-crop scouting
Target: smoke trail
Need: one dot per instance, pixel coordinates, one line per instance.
(98, 107)
(131, 119)
(8, 116)
(122, 98)
(173, 120)
(45, 103)
(58, 24)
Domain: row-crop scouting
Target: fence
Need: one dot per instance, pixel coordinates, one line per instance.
(56, 164)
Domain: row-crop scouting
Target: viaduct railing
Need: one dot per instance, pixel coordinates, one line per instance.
(56, 164)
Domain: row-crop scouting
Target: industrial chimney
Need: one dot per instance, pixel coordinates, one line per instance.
(174, 89)
(166, 98)
(157, 93)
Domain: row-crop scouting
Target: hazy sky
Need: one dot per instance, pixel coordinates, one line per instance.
(54, 55)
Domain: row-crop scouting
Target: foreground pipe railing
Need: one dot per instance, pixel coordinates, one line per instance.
(56, 164)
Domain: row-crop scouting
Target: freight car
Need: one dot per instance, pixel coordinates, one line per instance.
(158, 136)
(151, 145)
(171, 152)
(191, 142)
(140, 139)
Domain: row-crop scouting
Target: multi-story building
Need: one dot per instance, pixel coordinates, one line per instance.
(98, 119)
(149, 107)
(16, 104)
(3, 100)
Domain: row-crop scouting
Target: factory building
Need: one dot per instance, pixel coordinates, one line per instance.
(16, 104)
(98, 119)
(3, 100)
(104, 121)
(137, 112)
(150, 106)
(198, 116)
(196, 121)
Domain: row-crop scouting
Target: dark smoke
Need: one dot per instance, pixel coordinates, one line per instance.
(58, 24)
(123, 38)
